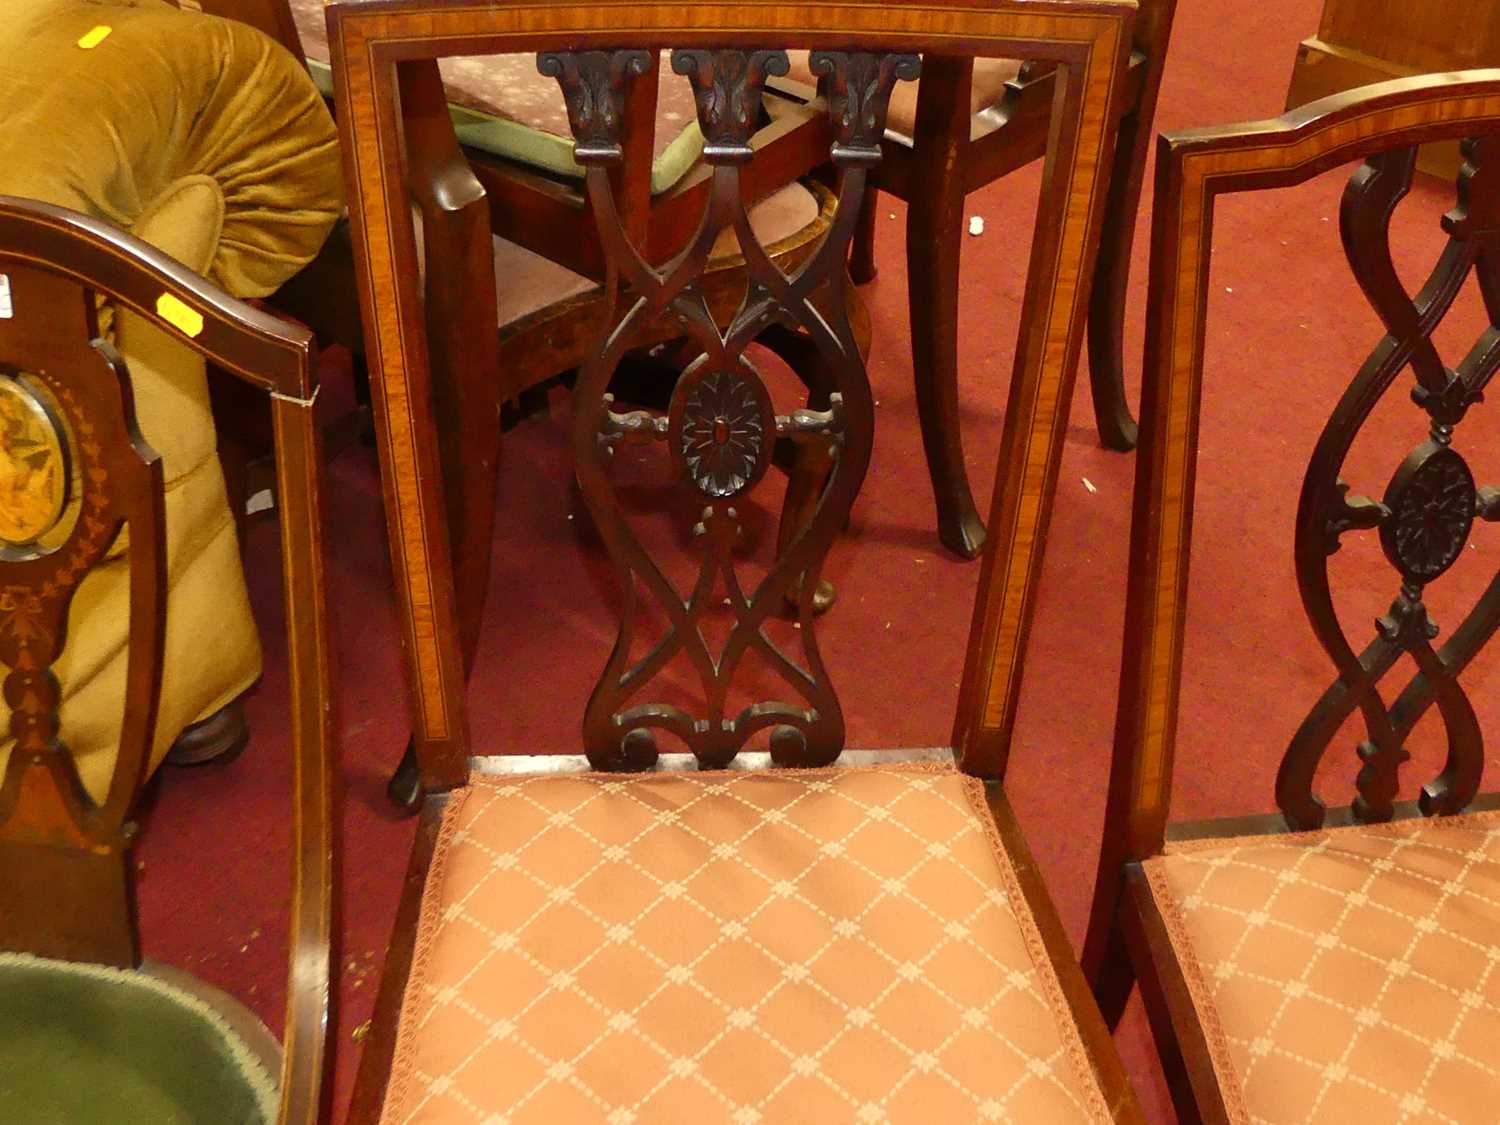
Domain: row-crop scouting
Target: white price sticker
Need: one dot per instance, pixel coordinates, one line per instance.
(7, 310)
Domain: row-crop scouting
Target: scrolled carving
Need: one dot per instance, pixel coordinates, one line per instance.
(593, 86)
(720, 432)
(1427, 513)
(859, 93)
(1350, 513)
(727, 87)
(635, 426)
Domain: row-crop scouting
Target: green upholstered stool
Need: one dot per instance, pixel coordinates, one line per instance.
(82, 1044)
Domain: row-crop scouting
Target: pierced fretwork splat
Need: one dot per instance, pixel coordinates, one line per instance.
(1426, 513)
(721, 427)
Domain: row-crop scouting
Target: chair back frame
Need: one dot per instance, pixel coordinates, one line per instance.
(67, 890)
(373, 43)
(1382, 124)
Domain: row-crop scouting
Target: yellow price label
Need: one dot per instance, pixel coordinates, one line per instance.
(181, 316)
(95, 37)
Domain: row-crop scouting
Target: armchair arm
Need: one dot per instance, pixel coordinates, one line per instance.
(47, 250)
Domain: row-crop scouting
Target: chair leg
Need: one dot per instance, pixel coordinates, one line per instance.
(1106, 331)
(934, 230)
(1110, 970)
(862, 268)
(807, 465)
(1154, 999)
(404, 790)
(804, 488)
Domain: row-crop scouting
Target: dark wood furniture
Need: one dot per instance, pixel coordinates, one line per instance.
(1364, 41)
(458, 256)
(718, 431)
(960, 138)
(547, 337)
(1142, 924)
(78, 471)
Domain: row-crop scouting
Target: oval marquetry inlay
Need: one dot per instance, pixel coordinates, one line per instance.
(33, 464)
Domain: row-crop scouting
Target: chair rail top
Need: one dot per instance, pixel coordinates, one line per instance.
(1012, 28)
(102, 257)
(1327, 132)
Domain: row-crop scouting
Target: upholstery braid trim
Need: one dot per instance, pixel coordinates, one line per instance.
(1230, 1088)
(1036, 949)
(403, 1058)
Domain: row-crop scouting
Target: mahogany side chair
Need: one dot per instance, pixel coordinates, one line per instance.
(1321, 964)
(84, 1023)
(964, 125)
(757, 929)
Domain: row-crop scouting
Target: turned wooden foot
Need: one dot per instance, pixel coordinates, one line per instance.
(220, 738)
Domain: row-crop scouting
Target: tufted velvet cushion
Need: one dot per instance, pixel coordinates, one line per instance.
(207, 140)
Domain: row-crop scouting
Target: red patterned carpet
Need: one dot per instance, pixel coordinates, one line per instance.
(1288, 328)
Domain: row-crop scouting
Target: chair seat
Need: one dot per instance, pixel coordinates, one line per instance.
(502, 106)
(988, 87)
(84, 1044)
(527, 282)
(844, 944)
(1345, 975)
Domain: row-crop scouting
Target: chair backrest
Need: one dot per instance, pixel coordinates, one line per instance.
(721, 428)
(74, 472)
(1429, 505)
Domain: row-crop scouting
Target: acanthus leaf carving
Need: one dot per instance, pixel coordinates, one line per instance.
(727, 87)
(859, 94)
(594, 84)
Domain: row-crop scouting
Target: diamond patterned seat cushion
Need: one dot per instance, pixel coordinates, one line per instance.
(501, 105)
(771, 946)
(988, 87)
(1345, 975)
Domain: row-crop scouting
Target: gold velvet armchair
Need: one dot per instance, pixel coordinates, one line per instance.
(219, 152)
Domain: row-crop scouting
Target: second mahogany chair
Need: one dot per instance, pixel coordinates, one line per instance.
(621, 936)
(967, 123)
(1322, 964)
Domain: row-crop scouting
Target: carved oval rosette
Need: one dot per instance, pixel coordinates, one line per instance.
(721, 427)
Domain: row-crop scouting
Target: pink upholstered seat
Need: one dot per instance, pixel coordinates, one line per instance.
(1351, 974)
(843, 944)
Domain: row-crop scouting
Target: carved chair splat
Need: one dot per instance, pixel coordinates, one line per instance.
(1321, 901)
